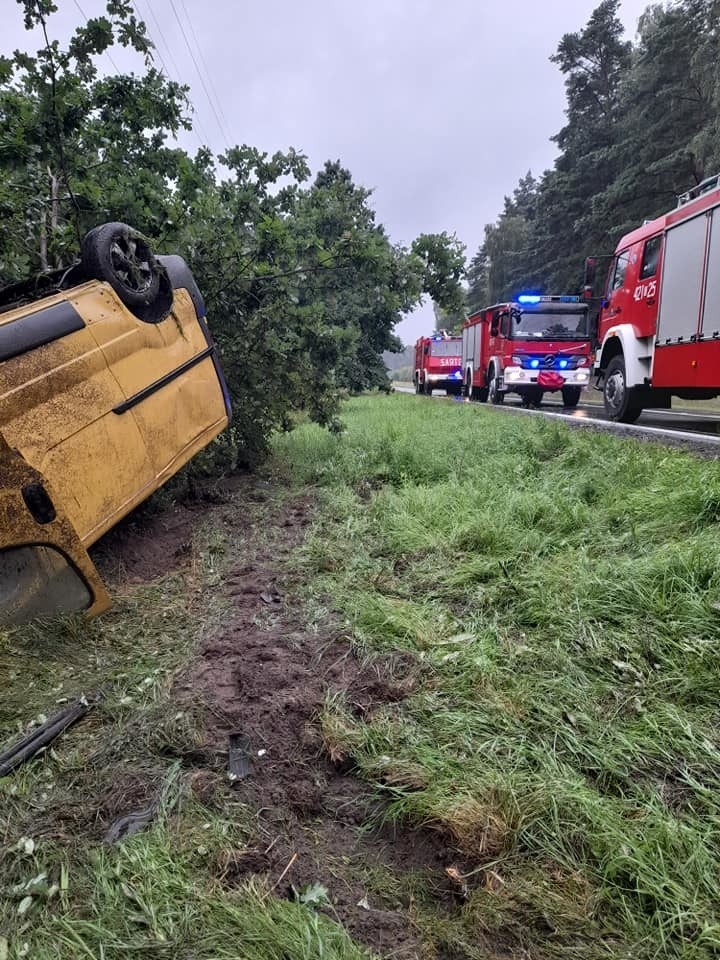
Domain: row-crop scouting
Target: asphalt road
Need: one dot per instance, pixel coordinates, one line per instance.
(681, 427)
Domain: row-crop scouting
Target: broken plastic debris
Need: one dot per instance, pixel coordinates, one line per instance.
(239, 765)
(24, 906)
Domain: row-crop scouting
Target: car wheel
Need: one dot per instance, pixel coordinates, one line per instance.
(120, 256)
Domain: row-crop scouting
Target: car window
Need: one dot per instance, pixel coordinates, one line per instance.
(651, 257)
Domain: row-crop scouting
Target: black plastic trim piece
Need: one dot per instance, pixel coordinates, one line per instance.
(36, 329)
(162, 382)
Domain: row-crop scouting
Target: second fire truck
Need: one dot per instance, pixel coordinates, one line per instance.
(531, 346)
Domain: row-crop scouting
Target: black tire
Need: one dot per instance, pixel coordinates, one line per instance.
(532, 397)
(467, 386)
(427, 388)
(119, 255)
(418, 391)
(495, 396)
(571, 396)
(621, 402)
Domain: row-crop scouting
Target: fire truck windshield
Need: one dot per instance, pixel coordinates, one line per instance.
(550, 324)
(445, 348)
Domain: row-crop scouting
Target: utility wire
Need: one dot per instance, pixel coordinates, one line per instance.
(198, 130)
(106, 52)
(168, 48)
(199, 73)
(208, 72)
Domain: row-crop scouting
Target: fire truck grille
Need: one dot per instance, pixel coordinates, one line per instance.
(548, 361)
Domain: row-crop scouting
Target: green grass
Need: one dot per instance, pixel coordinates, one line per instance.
(561, 591)
(65, 893)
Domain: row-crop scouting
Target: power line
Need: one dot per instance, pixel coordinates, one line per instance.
(199, 132)
(168, 48)
(208, 73)
(199, 73)
(106, 52)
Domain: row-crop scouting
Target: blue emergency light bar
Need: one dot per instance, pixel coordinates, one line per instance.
(535, 298)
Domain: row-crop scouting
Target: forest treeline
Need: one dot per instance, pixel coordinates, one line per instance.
(642, 127)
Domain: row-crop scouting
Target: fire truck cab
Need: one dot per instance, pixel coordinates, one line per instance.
(438, 364)
(533, 345)
(659, 323)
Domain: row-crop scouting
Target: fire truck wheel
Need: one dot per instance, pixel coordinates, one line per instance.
(532, 397)
(571, 396)
(495, 396)
(621, 401)
(417, 385)
(427, 388)
(481, 394)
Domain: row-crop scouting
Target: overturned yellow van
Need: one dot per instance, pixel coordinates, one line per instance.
(108, 386)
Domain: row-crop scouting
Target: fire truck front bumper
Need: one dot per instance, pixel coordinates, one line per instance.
(517, 376)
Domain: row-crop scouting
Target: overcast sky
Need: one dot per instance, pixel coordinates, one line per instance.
(439, 107)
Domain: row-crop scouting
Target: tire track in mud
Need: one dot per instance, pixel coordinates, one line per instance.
(264, 677)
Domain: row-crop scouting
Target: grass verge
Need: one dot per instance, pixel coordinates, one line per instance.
(561, 594)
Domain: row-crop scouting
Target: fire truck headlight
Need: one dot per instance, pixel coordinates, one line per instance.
(513, 374)
(582, 376)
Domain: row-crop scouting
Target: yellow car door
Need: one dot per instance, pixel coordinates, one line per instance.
(170, 377)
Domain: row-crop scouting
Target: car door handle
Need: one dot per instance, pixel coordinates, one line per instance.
(650, 301)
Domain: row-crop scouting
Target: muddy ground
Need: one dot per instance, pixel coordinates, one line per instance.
(262, 679)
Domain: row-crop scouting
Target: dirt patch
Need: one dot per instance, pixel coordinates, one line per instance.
(265, 678)
(147, 545)
(156, 539)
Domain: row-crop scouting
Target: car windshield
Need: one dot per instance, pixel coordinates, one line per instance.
(445, 348)
(550, 324)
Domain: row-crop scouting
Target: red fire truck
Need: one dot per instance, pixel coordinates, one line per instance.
(438, 364)
(659, 323)
(531, 346)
